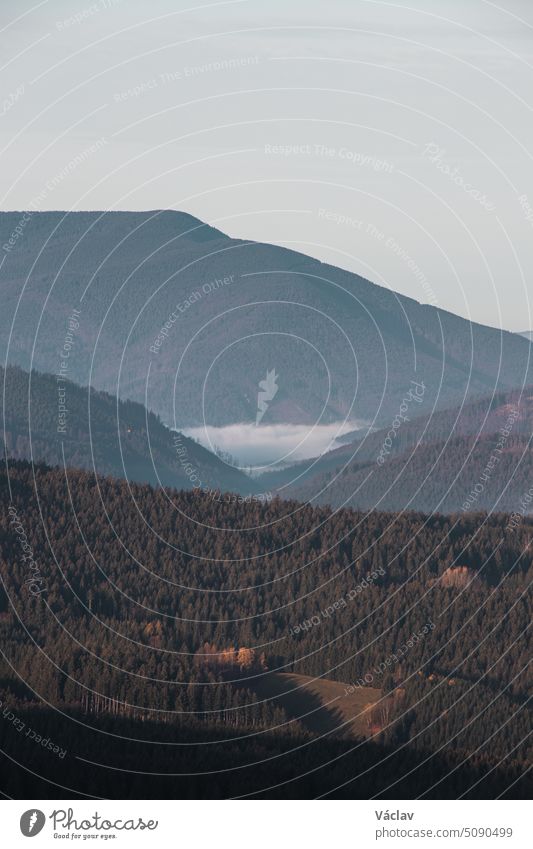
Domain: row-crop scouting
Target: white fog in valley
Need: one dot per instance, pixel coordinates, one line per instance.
(272, 446)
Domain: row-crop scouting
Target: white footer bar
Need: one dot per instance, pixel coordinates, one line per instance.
(264, 824)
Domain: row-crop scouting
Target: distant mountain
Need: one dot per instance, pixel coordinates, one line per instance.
(121, 439)
(527, 334)
(189, 322)
(476, 457)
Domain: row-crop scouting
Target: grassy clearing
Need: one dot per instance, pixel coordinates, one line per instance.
(320, 704)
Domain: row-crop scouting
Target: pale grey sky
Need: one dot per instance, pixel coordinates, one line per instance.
(390, 138)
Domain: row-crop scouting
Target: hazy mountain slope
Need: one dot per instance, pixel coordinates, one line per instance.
(430, 463)
(123, 440)
(435, 478)
(481, 417)
(341, 345)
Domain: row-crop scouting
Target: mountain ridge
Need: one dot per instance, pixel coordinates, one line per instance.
(341, 344)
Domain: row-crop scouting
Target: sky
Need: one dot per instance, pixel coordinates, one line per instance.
(389, 138)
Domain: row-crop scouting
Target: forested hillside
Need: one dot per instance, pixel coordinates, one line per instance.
(63, 424)
(153, 615)
(474, 457)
